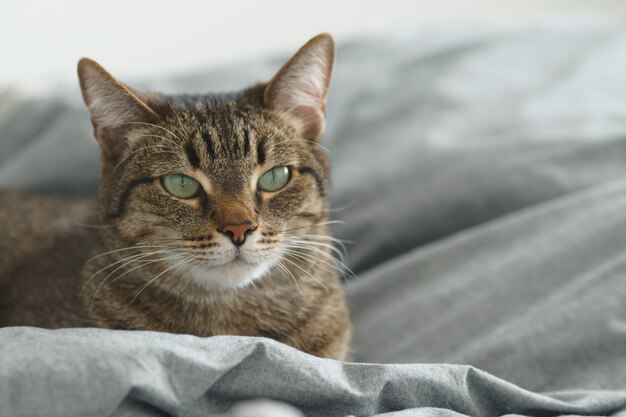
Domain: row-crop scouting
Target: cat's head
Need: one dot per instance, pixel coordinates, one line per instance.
(222, 187)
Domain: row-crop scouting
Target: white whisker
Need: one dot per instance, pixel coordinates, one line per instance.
(93, 226)
(141, 149)
(178, 118)
(312, 259)
(308, 243)
(286, 270)
(159, 137)
(306, 272)
(127, 258)
(138, 246)
(151, 124)
(316, 246)
(156, 277)
(145, 263)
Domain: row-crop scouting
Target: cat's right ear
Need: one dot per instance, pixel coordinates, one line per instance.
(114, 108)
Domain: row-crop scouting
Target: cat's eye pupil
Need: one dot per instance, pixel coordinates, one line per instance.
(180, 186)
(274, 179)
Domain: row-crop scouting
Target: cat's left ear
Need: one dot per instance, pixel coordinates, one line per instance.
(114, 108)
(301, 85)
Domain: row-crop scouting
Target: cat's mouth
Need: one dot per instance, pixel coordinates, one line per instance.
(238, 258)
(235, 273)
(236, 262)
(227, 266)
(238, 270)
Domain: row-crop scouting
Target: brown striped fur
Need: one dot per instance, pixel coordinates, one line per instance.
(153, 261)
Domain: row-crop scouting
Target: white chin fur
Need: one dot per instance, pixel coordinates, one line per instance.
(234, 274)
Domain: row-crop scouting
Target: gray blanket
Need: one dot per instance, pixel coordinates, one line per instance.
(482, 178)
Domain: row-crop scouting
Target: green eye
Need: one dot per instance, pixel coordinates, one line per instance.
(274, 179)
(180, 186)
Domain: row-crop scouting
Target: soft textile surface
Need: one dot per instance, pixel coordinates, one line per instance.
(482, 179)
(129, 374)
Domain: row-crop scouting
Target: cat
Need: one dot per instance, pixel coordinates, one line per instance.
(212, 217)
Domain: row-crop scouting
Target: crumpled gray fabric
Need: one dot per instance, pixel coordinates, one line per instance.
(101, 372)
(481, 176)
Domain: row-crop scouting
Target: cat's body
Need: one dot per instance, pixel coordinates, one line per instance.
(42, 253)
(212, 218)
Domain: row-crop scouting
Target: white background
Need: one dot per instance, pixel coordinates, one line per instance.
(41, 40)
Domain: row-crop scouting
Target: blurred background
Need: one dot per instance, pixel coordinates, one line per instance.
(40, 41)
(465, 110)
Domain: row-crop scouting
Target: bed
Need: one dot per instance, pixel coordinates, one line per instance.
(481, 178)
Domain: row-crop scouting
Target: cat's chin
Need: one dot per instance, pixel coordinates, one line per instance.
(234, 274)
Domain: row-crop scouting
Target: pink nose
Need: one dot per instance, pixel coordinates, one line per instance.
(238, 232)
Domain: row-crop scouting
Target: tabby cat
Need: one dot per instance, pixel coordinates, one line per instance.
(212, 217)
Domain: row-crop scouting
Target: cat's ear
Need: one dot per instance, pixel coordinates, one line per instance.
(114, 108)
(300, 87)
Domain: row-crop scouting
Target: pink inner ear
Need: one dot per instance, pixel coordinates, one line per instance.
(312, 119)
(300, 87)
(300, 90)
(112, 140)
